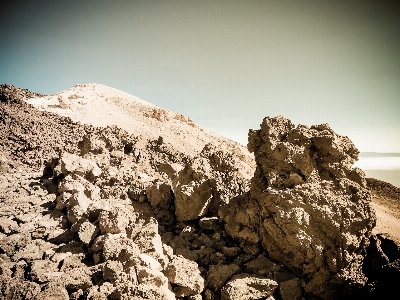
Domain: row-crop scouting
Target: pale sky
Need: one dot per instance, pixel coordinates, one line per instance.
(225, 64)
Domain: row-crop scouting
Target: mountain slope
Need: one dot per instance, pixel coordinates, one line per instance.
(103, 106)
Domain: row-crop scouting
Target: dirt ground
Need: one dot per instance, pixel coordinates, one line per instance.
(387, 217)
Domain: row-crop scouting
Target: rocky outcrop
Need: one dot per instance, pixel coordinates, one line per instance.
(307, 206)
(210, 181)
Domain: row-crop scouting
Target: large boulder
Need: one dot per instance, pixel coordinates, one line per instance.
(307, 206)
(206, 183)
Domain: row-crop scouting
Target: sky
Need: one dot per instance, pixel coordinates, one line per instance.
(225, 64)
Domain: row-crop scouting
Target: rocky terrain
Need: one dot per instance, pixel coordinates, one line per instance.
(163, 209)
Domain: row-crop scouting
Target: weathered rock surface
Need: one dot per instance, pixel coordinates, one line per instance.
(307, 206)
(208, 182)
(247, 287)
(185, 274)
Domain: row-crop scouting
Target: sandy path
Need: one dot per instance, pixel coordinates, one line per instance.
(387, 221)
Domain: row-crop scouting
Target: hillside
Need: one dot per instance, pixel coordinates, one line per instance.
(102, 106)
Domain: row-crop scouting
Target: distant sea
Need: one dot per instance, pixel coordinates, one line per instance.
(382, 166)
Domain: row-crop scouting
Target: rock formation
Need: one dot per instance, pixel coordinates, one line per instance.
(101, 213)
(307, 206)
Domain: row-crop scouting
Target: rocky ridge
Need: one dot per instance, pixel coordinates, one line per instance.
(113, 215)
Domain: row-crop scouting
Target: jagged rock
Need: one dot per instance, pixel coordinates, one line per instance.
(217, 275)
(149, 241)
(116, 247)
(242, 218)
(91, 144)
(53, 292)
(19, 269)
(170, 169)
(33, 250)
(307, 206)
(72, 163)
(44, 270)
(115, 220)
(149, 262)
(161, 199)
(261, 266)
(152, 292)
(185, 274)
(152, 277)
(160, 195)
(76, 191)
(9, 244)
(111, 269)
(290, 289)
(19, 289)
(125, 286)
(193, 194)
(208, 182)
(76, 278)
(8, 226)
(87, 232)
(247, 287)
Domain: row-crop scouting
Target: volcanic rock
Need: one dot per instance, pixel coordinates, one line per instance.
(186, 275)
(247, 287)
(218, 274)
(307, 206)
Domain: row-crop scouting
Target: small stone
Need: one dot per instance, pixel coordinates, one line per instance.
(114, 221)
(247, 287)
(290, 289)
(111, 269)
(260, 266)
(56, 292)
(87, 232)
(230, 251)
(185, 274)
(208, 223)
(218, 274)
(43, 270)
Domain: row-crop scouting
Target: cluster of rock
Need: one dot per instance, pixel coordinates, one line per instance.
(93, 247)
(118, 216)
